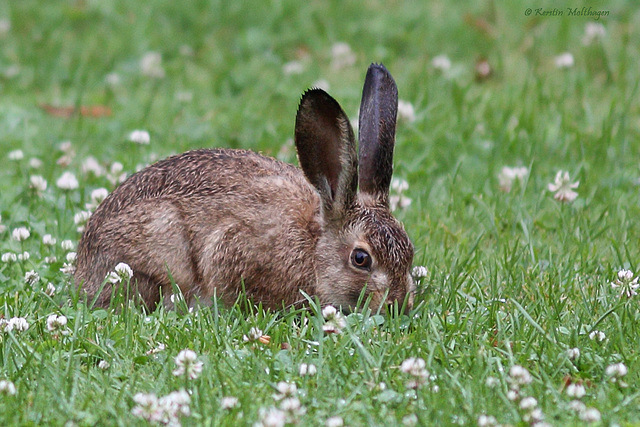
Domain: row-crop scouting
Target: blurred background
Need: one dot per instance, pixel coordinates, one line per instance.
(482, 84)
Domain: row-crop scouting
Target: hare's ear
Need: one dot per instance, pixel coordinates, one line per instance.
(377, 133)
(327, 150)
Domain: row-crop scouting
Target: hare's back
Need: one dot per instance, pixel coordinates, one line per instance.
(210, 174)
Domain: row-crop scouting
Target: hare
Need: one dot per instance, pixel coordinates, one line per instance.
(218, 222)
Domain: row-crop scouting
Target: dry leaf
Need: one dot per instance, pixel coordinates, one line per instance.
(265, 339)
(95, 111)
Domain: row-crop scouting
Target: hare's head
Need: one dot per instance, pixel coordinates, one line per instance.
(362, 245)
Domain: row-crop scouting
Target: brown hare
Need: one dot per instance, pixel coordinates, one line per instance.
(219, 221)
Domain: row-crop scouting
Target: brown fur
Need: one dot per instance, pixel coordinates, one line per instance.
(216, 220)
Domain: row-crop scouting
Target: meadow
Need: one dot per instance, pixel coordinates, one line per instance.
(517, 178)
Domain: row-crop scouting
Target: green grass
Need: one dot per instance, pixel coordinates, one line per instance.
(515, 278)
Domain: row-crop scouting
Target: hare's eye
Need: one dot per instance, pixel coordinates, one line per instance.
(361, 259)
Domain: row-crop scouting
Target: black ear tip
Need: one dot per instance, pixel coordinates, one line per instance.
(378, 66)
(379, 71)
(317, 101)
(312, 94)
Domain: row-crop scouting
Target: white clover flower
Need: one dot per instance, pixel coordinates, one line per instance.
(67, 245)
(307, 369)
(441, 63)
(487, 421)
(184, 96)
(399, 202)
(229, 402)
(71, 257)
(254, 335)
(151, 65)
(68, 269)
(31, 277)
(406, 111)
(80, 219)
(596, 335)
(575, 390)
(57, 323)
(399, 184)
(292, 407)
(91, 165)
(626, 283)
(334, 421)
(112, 79)
(563, 187)
(67, 181)
(293, 67)
(564, 60)
(342, 56)
(7, 388)
(19, 324)
(492, 382)
(50, 290)
(24, 256)
(625, 275)
(410, 420)
(187, 364)
(593, 31)
(115, 174)
(528, 403)
(329, 312)
(285, 390)
(5, 27)
(9, 257)
(590, 415)
(519, 375)
(104, 365)
(334, 321)
(535, 417)
(175, 405)
(12, 71)
(139, 137)
(112, 277)
(48, 240)
(415, 368)
(272, 417)
(123, 271)
(35, 163)
(573, 353)
(419, 272)
(38, 183)
(65, 146)
(98, 195)
(146, 407)
(616, 370)
(508, 175)
(513, 395)
(20, 234)
(15, 155)
(50, 259)
(576, 405)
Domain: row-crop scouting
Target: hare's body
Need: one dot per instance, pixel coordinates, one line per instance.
(219, 221)
(160, 221)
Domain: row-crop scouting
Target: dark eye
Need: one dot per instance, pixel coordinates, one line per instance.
(361, 259)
